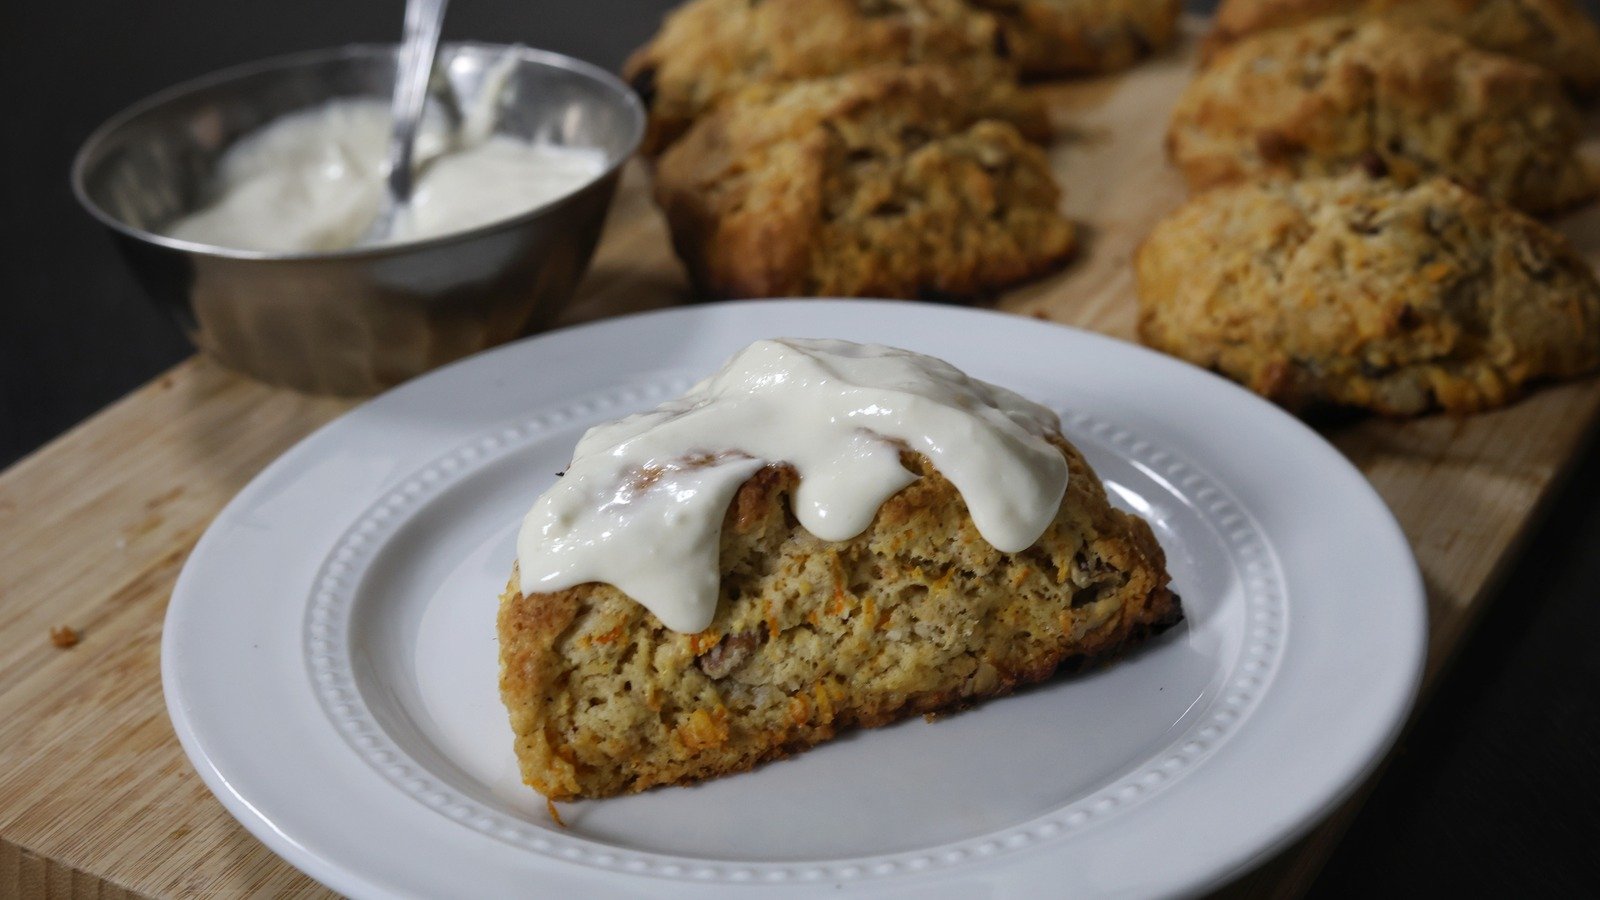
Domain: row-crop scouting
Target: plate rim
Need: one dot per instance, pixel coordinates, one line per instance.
(342, 877)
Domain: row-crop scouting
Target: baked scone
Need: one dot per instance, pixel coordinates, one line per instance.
(709, 49)
(1409, 102)
(1357, 292)
(917, 614)
(1552, 33)
(887, 182)
(1073, 37)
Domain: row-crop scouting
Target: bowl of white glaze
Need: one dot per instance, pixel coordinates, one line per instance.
(359, 319)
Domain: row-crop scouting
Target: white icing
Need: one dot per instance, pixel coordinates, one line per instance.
(642, 504)
(313, 181)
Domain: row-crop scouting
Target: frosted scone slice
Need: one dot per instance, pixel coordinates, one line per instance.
(1358, 292)
(845, 535)
(1337, 94)
(887, 182)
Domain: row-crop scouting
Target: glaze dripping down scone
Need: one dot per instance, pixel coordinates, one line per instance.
(1338, 94)
(805, 637)
(1357, 292)
(1552, 33)
(887, 182)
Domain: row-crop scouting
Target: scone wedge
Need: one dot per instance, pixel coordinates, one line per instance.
(709, 50)
(917, 615)
(887, 182)
(1336, 94)
(1552, 33)
(1358, 292)
(1049, 38)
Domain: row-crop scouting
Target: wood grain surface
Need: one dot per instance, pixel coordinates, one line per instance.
(96, 797)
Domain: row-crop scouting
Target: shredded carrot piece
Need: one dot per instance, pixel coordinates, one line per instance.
(799, 709)
(772, 619)
(824, 703)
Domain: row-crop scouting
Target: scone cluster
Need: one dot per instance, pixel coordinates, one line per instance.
(1367, 170)
(870, 147)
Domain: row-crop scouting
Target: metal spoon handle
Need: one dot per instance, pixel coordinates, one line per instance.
(424, 21)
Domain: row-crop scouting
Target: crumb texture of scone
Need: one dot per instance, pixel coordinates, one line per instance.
(1555, 34)
(918, 614)
(708, 50)
(1336, 94)
(1356, 292)
(1075, 37)
(887, 182)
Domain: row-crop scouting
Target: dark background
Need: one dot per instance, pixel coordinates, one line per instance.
(1494, 789)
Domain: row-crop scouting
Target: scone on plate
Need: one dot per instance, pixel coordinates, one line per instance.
(801, 636)
(1358, 292)
(1074, 37)
(887, 182)
(1552, 33)
(709, 49)
(1335, 94)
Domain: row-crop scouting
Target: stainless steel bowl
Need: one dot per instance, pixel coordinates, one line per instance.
(356, 321)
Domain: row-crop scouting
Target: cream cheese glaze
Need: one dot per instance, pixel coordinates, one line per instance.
(313, 181)
(642, 504)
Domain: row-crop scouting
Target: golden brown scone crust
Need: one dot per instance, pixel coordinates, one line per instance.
(1072, 37)
(917, 614)
(1356, 292)
(888, 182)
(1330, 95)
(707, 50)
(1552, 33)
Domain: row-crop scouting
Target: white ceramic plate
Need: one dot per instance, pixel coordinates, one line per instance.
(329, 655)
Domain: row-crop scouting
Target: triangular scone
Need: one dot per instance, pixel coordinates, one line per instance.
(1552, 33)
(708, 50)
(1050, 38)
(1337, 94)
(886, 182)
(1358, 292)
(917, 614)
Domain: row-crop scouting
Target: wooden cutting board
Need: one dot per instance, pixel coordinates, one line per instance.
(96, 797)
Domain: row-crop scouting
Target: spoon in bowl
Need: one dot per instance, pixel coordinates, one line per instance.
(414, 66)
